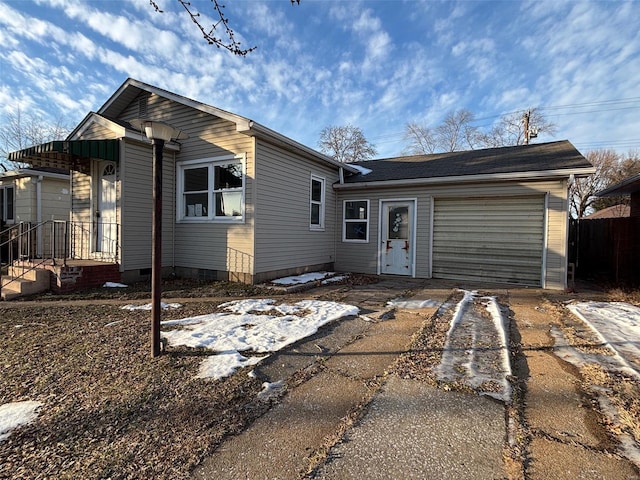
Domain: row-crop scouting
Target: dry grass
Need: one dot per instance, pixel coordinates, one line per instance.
(109, 410)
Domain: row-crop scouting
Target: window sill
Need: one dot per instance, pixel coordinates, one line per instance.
(211, 220)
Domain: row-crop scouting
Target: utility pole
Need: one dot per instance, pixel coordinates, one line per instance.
(525, 120)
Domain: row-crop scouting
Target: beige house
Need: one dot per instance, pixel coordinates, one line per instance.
(31, 200)
(243, 202)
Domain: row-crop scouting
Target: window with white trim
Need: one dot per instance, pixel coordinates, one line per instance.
(355, 227)
(316, 203)
(7, 204)
(211, 190)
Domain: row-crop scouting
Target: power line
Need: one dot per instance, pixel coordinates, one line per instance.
(629, 103)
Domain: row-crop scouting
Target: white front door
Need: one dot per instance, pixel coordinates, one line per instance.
(396, 239)
(106, 226)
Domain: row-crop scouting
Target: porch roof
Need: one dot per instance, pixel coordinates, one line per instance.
(64, 153)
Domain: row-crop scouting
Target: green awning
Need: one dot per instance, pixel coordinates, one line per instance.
(66, 154)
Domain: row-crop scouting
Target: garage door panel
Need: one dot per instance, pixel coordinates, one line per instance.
(493, 239)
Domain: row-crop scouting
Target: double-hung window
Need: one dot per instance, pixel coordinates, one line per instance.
(7, 204)
(356, 221)
(316, 204)
(211, 190)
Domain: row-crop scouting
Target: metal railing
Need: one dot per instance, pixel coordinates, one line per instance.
(26, 246)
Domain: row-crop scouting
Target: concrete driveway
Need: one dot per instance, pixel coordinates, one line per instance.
(349, 412)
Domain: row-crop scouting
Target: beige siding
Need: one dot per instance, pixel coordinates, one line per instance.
(96, 131)
(25, 200)
(217, 245)
(81, 215)
(200, 246)
(137, 207)
(363, 257)
(499, 239)
(56, 199)
(284, 239)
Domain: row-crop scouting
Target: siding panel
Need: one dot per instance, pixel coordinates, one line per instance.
(284, 239)
(363, 257)
(491, 239)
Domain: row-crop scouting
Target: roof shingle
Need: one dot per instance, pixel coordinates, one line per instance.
(561, 155)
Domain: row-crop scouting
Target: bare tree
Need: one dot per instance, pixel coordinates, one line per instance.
(582, 191)
(510, 130)
(626, 167)
(210, 34)
(346, 144)
(419, 139)
(19, 131)
(457, 132)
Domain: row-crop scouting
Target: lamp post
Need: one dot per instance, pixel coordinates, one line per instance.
(158, 133)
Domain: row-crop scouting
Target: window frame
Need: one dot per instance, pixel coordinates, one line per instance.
(346, 220)
(5, 205)
(319, 227)
(210, 164)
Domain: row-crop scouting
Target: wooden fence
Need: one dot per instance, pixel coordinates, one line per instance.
(606, 249)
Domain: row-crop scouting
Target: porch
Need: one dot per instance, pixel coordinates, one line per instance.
(64, 250)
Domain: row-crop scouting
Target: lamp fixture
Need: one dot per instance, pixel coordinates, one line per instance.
(158, 130)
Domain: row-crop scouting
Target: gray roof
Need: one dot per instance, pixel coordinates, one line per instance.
(625, 187)
(542, 157)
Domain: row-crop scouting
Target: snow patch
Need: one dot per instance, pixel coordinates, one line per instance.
(249, 328)
(114, 285)
(476, 351)
(361, 169)
(412, 304)
(302, 279)
(164, 306)
(15, 414)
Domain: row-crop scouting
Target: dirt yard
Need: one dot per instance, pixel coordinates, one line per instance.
(110, 411)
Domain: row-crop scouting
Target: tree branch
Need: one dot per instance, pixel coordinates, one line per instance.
(211, 34)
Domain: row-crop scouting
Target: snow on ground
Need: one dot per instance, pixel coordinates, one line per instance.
(147, 306)
(476, 350)
(305, 278)
(412, 304)
(114, 285)
(256, 325)
(14, 414)
(618, 327)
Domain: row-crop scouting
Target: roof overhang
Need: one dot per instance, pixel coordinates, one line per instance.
(65, 153)
(26, 172)
(493, 177)
(625, 187)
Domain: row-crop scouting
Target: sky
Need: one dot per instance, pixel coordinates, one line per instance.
(373, 64)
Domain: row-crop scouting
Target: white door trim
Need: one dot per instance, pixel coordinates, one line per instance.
(413, 204)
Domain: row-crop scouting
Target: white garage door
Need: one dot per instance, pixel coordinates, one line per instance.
(497, 239)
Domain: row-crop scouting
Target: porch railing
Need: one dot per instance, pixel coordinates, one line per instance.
(26, 245)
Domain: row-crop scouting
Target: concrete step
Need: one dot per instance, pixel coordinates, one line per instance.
(33, 281)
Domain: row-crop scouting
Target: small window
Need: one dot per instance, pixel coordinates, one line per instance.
(317, 203)
(211, 190)
(7, 204)
(356, 221)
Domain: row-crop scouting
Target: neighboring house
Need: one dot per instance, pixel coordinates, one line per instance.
(34, 195)
(243, 202)
(614, 211)
(30, 198)
(629, 186)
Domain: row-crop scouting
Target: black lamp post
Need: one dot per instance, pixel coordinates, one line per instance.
(158, 133)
